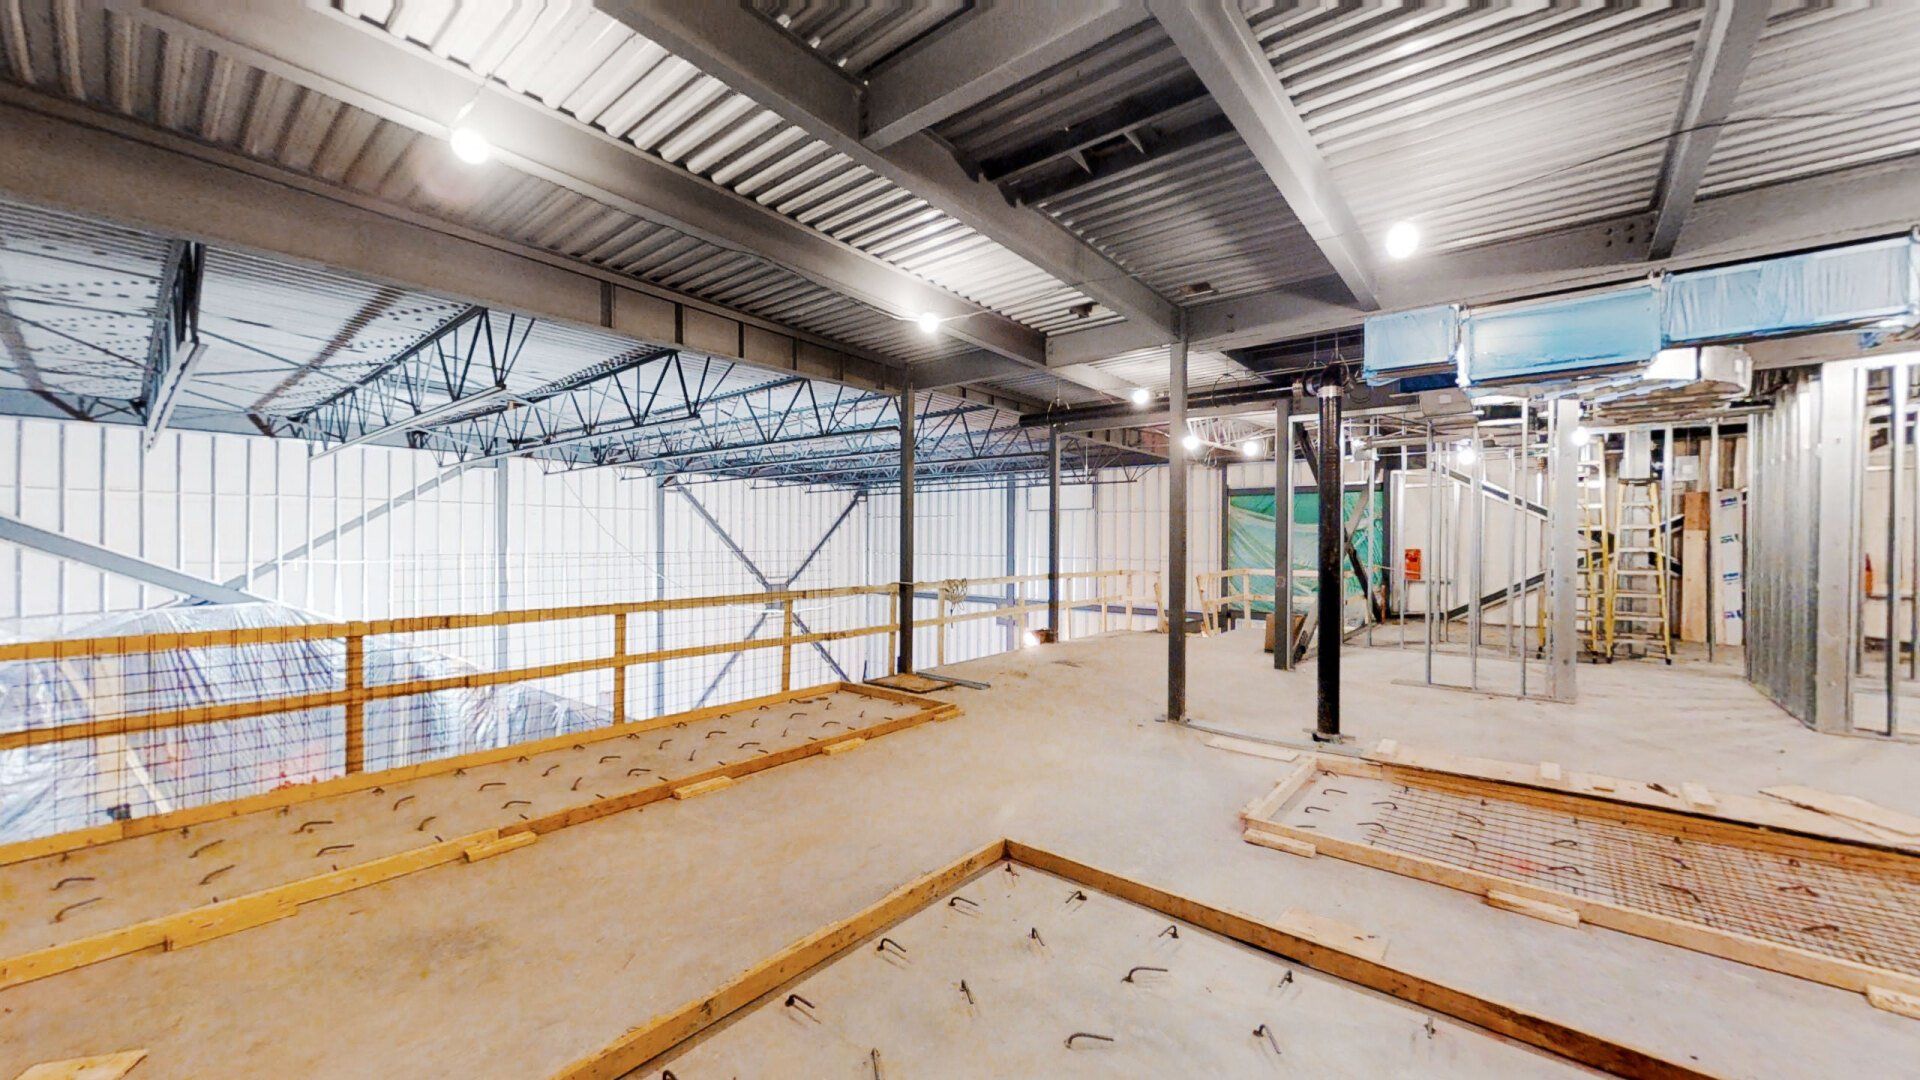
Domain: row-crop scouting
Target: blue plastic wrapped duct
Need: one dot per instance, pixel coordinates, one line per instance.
(1423, 341)
(1860, 285)
(1595, 331)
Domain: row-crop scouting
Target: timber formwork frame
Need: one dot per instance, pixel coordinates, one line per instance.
(1313, 942)
(209, 842)
(1813, 893)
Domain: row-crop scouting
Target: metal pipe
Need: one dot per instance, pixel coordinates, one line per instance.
(1053, 534)
(660, 593)
(1896, 463)
(1430, 564)
(1333, 592)
(905, 661)
(1282, 615)
(1713, 539)
(1477, 519)
(1013, 564)
(1177, 528)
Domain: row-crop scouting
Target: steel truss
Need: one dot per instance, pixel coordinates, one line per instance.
(460, 365)
(578, 421)
(175, 349)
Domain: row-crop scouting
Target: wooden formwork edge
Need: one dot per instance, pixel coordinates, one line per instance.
(95, 836)
(1725, 944)
(188, 926)
(1692, 798)
(662, 1033)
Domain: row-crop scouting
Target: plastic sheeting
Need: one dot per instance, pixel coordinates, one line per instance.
(1591, 332)
(1845, 287)
(1250, 541)
(1419, 342)
(56, 787)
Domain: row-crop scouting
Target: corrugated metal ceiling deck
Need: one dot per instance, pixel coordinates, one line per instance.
(1482, 123)
(1207, 214)
(576, 60)
(858, 37)
(141, 72)
(1799, 113)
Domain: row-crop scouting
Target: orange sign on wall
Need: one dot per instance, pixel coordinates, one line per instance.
(1412, 567)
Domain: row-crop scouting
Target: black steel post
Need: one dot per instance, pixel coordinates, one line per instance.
(1282, 535)
(906, 529)
(1177, 529)
(1333, 591)
(1053, 533)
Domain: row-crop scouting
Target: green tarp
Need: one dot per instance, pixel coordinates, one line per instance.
(1250, 541)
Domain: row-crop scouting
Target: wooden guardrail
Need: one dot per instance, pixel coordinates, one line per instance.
(356, 692)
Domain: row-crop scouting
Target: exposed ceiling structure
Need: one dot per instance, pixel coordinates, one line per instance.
(791, 190)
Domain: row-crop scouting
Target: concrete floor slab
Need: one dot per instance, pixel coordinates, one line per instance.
(518, 965)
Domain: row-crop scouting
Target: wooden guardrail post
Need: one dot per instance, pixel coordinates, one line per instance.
(356, 751)
(620, 670)
(786, 649)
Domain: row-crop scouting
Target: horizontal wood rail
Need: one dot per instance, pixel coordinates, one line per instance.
(1219, 590)
(356, 692)
(1131, 588)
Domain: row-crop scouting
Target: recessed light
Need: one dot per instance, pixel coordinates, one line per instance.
(928, 322)
(1140, 396)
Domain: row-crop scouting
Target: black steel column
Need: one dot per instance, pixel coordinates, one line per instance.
(1053, 532)
(906, 529)
(1333, 590)
(1282, 535)
(1177, 528)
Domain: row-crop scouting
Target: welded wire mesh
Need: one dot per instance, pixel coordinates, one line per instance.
(1763, 886)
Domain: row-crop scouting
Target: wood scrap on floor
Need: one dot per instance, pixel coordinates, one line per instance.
(97, 1067)
(1253, 749)
(1850, 807)
(913, 682)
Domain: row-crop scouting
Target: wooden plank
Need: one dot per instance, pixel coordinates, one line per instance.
(1770, 813)
(499, 845)
(1694, 539)
(1850, 807)
(1521, 905)
(1254, 834)
(96, 1067)
(1253, 749)
(229, 917)
(133, 644)
(1343, 936)
(841, 746)
(664, 1032)
(1893, 1001)
(1580, 1046)
(694, 791)
(1264, 807)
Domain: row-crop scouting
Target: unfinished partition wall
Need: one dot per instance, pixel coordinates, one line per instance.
(1783, 544)
(1830, 609)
